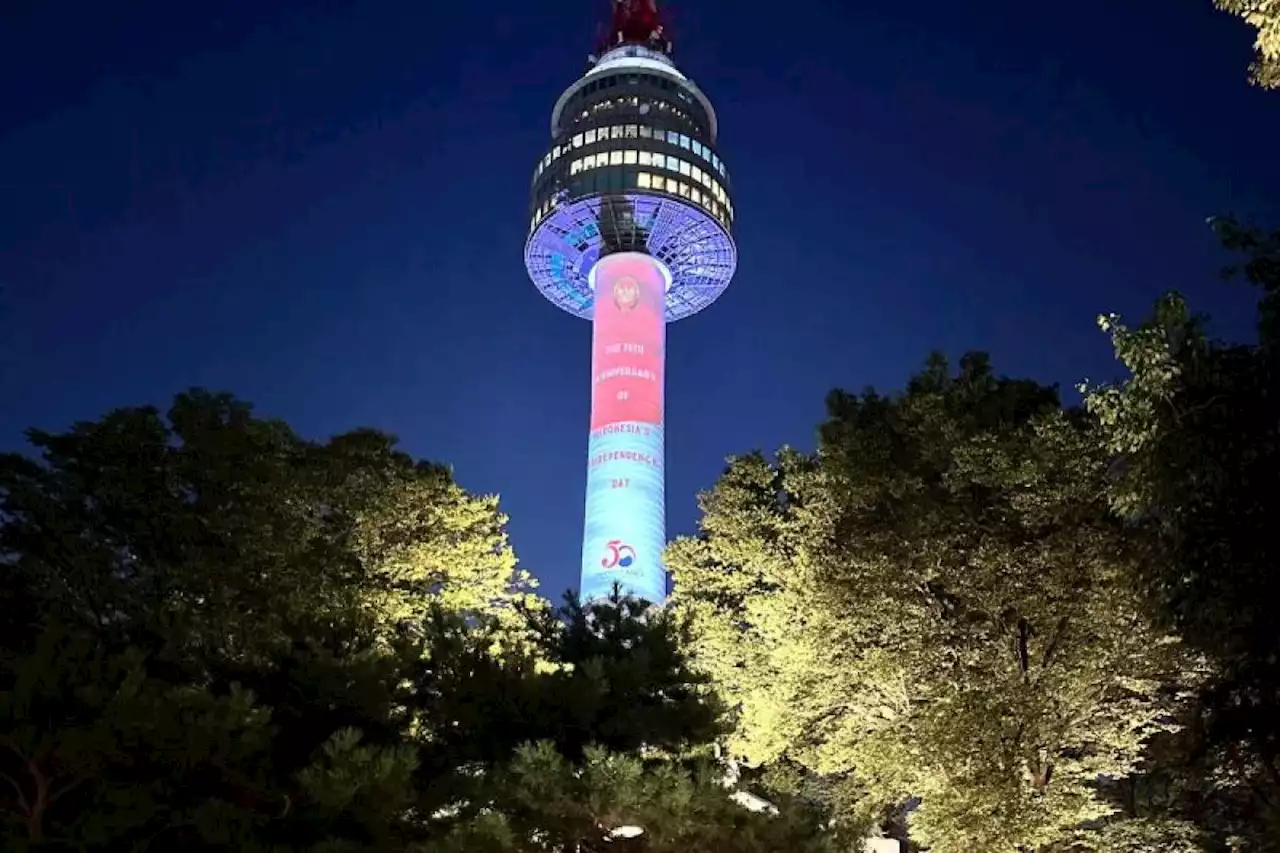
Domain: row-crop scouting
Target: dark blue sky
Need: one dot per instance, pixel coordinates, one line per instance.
(321, 207)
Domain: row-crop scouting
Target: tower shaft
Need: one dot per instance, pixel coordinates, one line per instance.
(625, 531)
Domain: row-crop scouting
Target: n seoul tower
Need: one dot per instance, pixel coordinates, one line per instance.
(631, 229)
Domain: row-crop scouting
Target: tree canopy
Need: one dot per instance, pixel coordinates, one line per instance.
(994, 623)
(220, 515)
(935, 606)
(1195, 433)
(217, 636)
(1263, 16)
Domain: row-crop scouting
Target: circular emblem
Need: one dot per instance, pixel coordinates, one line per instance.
(617, 554)
(626, 293)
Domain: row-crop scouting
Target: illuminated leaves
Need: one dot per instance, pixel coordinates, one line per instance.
(234, 525)
(938, 605)
(1195, 429)
(1263, 16)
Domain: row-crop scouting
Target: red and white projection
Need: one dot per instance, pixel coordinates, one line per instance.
(624, 531)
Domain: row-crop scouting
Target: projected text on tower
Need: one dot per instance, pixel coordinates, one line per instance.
(624, 530)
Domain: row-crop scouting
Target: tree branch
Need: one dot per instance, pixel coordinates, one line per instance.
(1023, 647)
(35, 815)
(1052, 646)
(67, 788)
(17, 789)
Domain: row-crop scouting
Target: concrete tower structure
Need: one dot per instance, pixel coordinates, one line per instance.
(631, 228)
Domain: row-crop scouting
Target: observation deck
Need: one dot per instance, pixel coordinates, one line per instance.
(632, 166)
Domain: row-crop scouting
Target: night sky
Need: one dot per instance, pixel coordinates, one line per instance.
(321, 207)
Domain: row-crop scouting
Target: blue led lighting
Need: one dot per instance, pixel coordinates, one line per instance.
(690, 241)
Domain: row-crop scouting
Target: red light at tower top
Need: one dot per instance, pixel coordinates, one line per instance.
(637, 22)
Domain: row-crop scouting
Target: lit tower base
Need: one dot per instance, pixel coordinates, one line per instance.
(632, 229)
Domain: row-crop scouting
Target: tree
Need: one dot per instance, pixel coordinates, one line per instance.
(936, 606)
(1264, 16)
(1195, 430)
(207, 632)
(215, 513)
(610, 749)
(217, 636)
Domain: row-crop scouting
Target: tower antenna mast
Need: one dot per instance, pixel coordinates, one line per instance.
(637, 22)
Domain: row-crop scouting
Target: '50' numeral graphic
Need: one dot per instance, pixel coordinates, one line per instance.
(617, 555)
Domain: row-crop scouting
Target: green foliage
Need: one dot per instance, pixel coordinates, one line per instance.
(1195, 429)
(216, 636)
(615, 731)
(610, 802)
(197, 606)
(1143, 835)
(216, 513)
(937, 604)
(72, 713)
(1263, 16)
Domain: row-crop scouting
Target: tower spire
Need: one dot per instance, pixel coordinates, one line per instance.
(637, 22)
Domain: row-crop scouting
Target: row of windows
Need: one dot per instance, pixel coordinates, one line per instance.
(612, 80)
(634, 101)
(631, 131)
(632, 157)
(619, 180)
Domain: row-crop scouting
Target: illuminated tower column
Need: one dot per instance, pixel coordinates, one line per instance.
(625, 527)
(631, 228)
